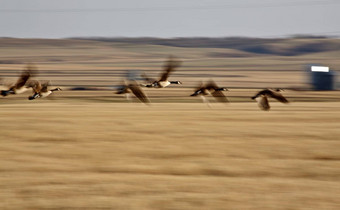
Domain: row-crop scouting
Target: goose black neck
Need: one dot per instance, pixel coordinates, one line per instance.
(36, 95)
(55, 89)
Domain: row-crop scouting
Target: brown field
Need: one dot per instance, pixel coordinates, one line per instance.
(94, 150)
(169, 156)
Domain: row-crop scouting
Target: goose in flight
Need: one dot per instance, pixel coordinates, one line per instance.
(41, 90)
(169, 67)
(134, 88)
(21, 85)
(262, 98)
(211, 89)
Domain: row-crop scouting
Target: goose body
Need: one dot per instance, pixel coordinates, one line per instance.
(262, 98)
(45, 94)
(21, 90)
(163, 83)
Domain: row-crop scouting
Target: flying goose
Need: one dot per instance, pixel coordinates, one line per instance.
(20, 86)
(41, 90)
(262, 98)
(134, 88)
(169, 67)
(213, 89)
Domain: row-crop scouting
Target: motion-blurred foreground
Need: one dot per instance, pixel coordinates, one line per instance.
(88, 148)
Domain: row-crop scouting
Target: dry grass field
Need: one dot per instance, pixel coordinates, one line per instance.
(169, 156)
(93, 150)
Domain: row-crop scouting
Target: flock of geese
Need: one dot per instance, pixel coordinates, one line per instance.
(23, 84)
(42, 90)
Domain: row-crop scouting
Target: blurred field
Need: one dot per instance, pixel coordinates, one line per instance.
(169, 156)
(93, 150)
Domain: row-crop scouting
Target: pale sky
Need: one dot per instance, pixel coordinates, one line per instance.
(168, 18)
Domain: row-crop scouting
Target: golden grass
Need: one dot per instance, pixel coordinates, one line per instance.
(74, 155)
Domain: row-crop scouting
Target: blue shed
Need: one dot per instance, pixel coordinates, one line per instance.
(322, 78)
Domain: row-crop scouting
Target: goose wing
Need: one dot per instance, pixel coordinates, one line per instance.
(263, 103)
(29, 71)
(278, 96)
(262, 92)
(25, 75)
(211, 85)
(35, 85)
(44, 86)
(138, 92)
(169, 67)
(219, 96)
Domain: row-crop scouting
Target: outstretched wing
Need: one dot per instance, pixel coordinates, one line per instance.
(169, 67)
(219, 96)
(211, 85)
(278, 96)
(44, 86)
(138, 92)
(262, 92)
(25, 75)
(263, 103)
(29, 71)
(35, 85)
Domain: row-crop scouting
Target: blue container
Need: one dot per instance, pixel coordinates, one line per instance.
(323, 80)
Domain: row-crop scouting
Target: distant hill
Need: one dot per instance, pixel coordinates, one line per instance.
(284, 47)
